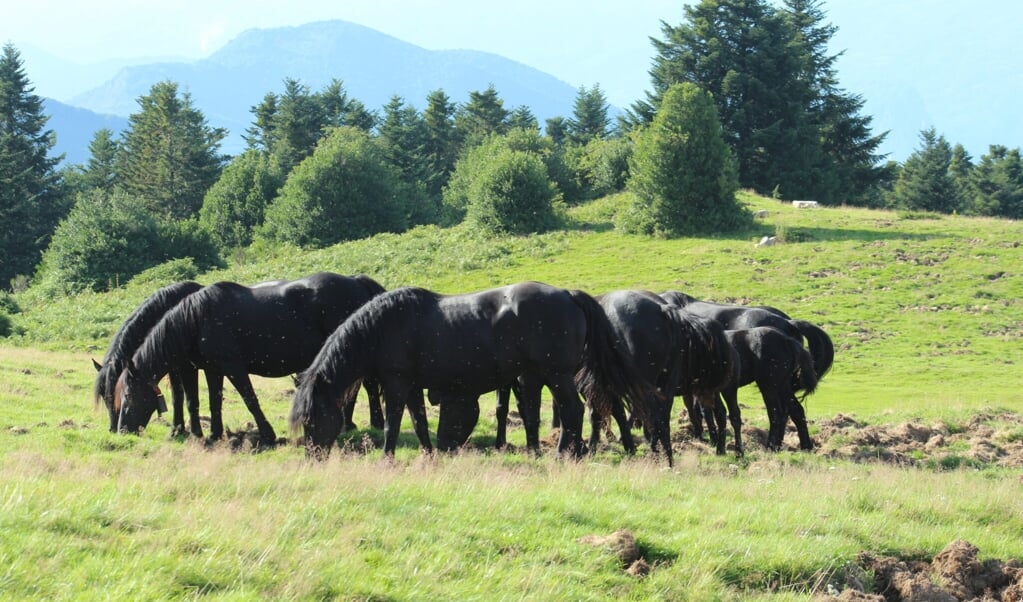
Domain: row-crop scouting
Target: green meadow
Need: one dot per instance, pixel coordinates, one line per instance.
(925, 311)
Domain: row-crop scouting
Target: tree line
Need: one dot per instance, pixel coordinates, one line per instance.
(743, 95)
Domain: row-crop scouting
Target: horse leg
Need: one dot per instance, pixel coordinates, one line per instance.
(597, 422)
(695, 412)
(570, 412)
(215, 385)
(721, 423)
(731, 399)
(190, 384)
(798, 415)
(243, 385)
(501, 414)
(527, 391)
(465, 416)
(376, 413)
(417, 412)
(776, 415)
(396, 397)
(708, 409)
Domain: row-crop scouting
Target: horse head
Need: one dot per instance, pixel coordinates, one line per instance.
(135, 401)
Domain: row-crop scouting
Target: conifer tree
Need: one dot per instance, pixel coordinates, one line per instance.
(170, 155)
(682, 171)
(32, 200)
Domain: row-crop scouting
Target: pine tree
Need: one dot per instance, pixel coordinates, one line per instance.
(100, 171)
(441, 147)
(169, 156)
(523, 119)
(789, 125)
(996, 183)
(403, 136)
(848, 168)
(556, 128)
(925, 183)
(682, 171)
(590, 119)
(483, 115)
(32, 200)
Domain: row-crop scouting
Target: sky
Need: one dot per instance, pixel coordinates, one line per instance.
(583, 42)
(918, 63)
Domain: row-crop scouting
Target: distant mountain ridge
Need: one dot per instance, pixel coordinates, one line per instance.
(372, 65)
(75, 128)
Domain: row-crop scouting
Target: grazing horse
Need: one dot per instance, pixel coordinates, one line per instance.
(739, 317)
(128, 338)
(780, 366)
(669, 347)
(230, 330)
(412, 339)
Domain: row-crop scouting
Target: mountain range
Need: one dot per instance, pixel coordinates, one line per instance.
(906, 88)
(372, 66)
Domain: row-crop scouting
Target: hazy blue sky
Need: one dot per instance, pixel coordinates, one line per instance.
(580, 41)
(950, 64)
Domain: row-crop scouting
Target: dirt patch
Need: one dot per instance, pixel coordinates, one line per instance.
(623, 545)
(987, 439)
(954, 574)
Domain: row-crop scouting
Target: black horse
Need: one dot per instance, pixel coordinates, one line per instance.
(412, 339)
(671, 348)
(739, 317)
(231, 330)
(780, 366)
(128, 338)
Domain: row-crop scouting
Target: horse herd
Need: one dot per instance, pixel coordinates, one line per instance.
(624, 354)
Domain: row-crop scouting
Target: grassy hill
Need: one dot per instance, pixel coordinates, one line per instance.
(926, 313)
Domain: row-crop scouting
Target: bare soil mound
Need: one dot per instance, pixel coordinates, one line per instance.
(987, 439)
(954, 574)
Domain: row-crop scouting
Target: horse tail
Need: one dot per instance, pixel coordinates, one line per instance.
(709, 357)
(821, 347)
(607, 375)
(804, 373)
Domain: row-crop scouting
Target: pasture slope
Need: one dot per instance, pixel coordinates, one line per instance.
(913, 490)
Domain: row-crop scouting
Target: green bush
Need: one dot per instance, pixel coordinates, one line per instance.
(344, 191)
(109, 237)
(601, 167)
(106, 239)
(175, 270)
(513, 195)
(233, 207)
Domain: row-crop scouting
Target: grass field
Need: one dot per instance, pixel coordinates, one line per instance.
(926, 314)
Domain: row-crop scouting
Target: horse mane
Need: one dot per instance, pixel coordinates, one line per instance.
(166, 343)
(343, 360)
(133, 332)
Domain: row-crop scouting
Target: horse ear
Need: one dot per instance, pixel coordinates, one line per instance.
(95, 363)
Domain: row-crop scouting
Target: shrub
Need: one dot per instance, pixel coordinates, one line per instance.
(109, 237)
(343, 191)
(105, 239)
(513, 195)
(233, 207)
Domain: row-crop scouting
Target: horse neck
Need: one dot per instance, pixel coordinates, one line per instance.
(164, 348)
